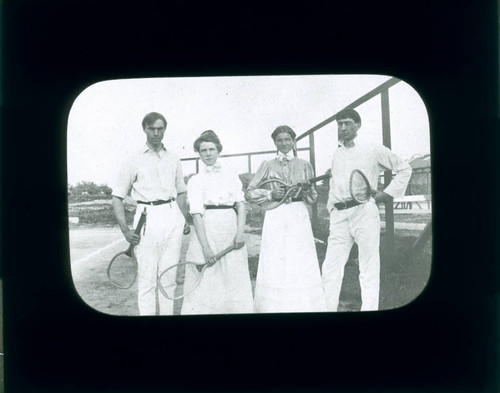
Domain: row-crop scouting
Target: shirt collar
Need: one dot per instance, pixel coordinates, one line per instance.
(146, 148)
(342, 144)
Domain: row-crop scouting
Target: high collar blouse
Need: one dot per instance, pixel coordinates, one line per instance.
(217, 185)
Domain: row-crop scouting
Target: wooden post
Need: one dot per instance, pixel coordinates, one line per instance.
(389, 206)
(249, 163)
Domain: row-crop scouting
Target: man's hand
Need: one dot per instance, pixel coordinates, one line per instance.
(278, 193)
(132, 237)
(382, 197)
(187, 229)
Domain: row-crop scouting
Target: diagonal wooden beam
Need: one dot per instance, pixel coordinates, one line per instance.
(361, 100)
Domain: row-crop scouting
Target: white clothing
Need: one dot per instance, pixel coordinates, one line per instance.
(371, 159)
(225, 287)
(150, 176)
(159, 248)
(360, 224)
(213, 187)
(288, 278)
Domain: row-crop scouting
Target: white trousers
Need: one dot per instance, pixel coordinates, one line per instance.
(360, 224)
(159, 248)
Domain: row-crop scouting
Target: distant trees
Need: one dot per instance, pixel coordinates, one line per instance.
(89, 188)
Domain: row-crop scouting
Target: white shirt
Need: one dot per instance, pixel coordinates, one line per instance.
(216, 185)
(371, 159)
(149, 176)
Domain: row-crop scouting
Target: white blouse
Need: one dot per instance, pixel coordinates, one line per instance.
(215, 185)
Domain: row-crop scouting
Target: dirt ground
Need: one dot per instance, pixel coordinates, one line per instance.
(92, 246)
(90, 277)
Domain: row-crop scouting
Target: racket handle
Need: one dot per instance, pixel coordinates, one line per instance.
(137, 231)
(319, 178)
(141, 222)
(225, 251)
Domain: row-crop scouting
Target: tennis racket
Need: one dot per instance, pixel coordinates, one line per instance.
(172, 291)
(290, 190)
(122, 269)
(359, 187)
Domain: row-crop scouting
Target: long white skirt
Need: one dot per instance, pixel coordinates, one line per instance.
(288, 276)
(225, 287)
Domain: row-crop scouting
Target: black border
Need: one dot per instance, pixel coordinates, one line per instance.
(444, 341)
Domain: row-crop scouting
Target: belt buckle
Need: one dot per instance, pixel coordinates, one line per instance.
(345, 205)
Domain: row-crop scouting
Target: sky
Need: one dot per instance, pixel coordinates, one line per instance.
(104, 123)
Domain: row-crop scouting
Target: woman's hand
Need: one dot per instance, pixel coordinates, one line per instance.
(187, 229)
(305, 186)
(239, 241)
(209, 255)
(278, 193)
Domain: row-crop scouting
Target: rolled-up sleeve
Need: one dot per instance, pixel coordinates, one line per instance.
(195, 196)
(124, 180)
(389, 160)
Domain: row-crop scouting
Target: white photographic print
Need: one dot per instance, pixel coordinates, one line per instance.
(249, 195)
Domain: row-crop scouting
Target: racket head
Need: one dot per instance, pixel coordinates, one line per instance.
(279, 181)
(122, 269)
(269, 205)
(174, 289)
(359, 187)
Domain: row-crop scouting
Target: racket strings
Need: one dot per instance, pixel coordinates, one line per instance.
(177, 288)
(360, 189)
(168, 281)
(122, 271)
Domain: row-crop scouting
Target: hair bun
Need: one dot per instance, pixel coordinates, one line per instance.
(209, 133)
(207, 136)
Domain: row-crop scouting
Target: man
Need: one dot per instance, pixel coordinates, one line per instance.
(352, 222)
(153, 176)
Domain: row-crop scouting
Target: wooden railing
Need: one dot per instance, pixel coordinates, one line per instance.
(248, 155)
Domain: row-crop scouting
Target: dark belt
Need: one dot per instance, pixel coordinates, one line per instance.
(219, 207)
(156, 203)
(298, 199)
(346, 205)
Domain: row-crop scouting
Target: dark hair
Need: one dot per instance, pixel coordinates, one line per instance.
(207, 136)
(349, 113)
(150, 118)
(281, 129)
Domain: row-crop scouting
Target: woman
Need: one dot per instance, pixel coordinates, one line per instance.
(288, 277)
(217, 205)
